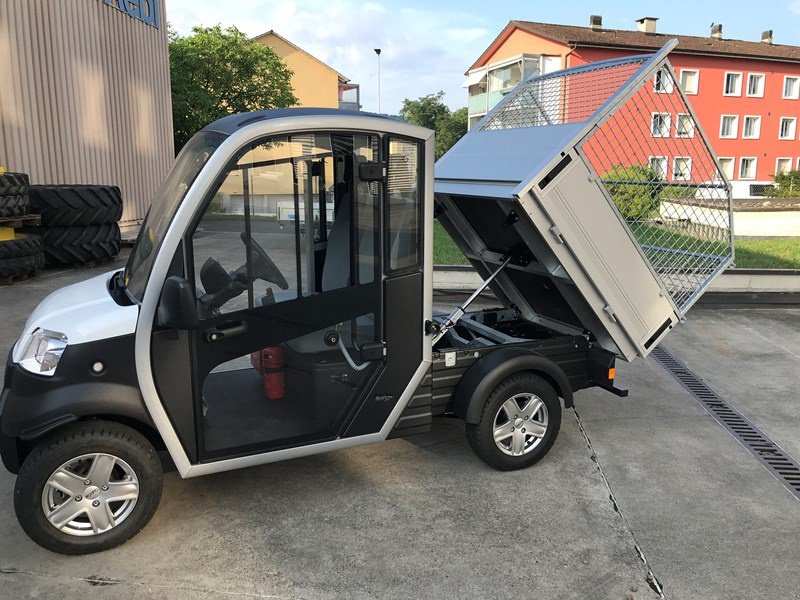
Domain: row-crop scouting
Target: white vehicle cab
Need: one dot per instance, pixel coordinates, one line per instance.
(243, 332)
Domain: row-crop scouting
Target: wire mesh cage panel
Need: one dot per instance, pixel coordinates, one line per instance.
(644, 144)
(600, 184)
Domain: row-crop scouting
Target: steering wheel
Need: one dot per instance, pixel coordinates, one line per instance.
(263, 266)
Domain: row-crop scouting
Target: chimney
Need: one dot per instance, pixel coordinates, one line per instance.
(716, 31)
(766, 36)
(596, 22)
(646, 24)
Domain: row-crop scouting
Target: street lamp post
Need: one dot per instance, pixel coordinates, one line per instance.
(378, 52)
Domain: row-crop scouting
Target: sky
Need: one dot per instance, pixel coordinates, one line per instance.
(428, 45)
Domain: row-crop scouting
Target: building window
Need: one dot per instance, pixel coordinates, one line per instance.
(505, 78)
(755, 85)
(659, 125)
(747, 167)
(662, 81)
(682, 168)
(690, 79)
(726, 166)
(751, 128)
(733, 84)
(787, 128)
(729, 127)
(658, 164)
(783, 165)
(684, 126)
(791, 87)
(474, 120)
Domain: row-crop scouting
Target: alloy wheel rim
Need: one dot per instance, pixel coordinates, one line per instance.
(90, 494)
(520, 424)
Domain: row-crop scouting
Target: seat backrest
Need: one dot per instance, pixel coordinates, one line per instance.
(336, 269)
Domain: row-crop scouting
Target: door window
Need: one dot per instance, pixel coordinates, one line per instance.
(403, 198)
(283, 224)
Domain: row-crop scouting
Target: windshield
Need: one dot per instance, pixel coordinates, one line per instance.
(190, 162)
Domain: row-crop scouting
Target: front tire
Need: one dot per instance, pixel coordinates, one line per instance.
(518, 424)
(88, 488)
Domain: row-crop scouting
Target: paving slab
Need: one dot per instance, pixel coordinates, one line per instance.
(416, 518)
(711, 521)
(752, 357)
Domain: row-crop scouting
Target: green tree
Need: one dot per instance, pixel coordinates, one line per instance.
(217, 72)
(430, 111)
(787, 185)
(635, 189)
(449, 130)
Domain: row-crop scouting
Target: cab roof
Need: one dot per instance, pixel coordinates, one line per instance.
(232, 123)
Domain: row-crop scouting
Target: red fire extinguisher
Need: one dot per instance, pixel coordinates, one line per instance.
(272, 368)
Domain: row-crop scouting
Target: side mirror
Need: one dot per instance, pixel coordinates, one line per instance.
(177, 308)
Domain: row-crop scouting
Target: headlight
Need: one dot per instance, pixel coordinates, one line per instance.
(43, 351)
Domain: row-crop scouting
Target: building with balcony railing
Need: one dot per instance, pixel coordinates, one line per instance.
(745, 94)
(349, 96)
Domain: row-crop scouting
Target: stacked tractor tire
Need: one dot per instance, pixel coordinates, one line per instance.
(21, 254)
(79, 222)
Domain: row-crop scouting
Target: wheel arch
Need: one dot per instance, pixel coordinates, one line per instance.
(17, 449)
(484, 375)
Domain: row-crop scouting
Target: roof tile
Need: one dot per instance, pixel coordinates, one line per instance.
(638, 40)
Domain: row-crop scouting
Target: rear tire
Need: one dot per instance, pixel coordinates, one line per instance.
(518, 424)
(53, 481)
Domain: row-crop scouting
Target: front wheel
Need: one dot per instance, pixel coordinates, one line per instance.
(87, 488)
(518, 424)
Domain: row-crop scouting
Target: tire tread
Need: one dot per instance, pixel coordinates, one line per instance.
(70, 205)
(79, 245)
(21, 265)
(14, 206)
(14, 184)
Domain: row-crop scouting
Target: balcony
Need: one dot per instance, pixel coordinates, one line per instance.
(349, 96)
(482, 103)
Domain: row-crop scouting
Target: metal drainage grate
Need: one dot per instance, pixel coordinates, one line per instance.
(772, 456)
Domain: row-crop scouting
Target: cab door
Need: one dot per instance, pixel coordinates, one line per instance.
(309, 294)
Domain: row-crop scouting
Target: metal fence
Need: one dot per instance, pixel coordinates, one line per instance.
(649, 153)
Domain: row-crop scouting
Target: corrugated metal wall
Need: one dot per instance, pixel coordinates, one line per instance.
(85, 96)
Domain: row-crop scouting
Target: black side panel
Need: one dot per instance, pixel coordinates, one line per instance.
(417, 416)
(35, 405)
(403, 321)
(562, 361)
(172, 374)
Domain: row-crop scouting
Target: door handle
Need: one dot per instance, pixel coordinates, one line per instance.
(215, 334)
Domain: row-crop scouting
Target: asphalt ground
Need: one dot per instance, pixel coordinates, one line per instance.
(636, 488)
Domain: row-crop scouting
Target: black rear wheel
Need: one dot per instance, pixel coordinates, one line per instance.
(518, 424)
(87, 488)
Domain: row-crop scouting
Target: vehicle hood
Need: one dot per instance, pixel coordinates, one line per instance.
(84, 312)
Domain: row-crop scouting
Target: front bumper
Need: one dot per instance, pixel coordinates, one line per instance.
(9, 447)
(32, 406)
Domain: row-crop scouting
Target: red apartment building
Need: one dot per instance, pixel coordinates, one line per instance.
(746, 94)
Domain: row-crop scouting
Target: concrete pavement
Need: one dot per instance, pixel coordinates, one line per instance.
(423, 517)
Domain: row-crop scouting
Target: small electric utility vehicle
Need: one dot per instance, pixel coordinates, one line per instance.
(278, 301)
